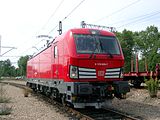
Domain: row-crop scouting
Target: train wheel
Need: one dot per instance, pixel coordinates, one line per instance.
(34, 87)
(63, 100)
(120, 96)
(137, 83)
(123, 96)
(54, 94)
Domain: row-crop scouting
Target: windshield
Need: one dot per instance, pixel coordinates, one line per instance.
(88, 44)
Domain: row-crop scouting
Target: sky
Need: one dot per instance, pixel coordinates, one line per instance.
(21, 21)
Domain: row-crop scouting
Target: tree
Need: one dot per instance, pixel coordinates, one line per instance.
(145, 42)
(148, 42)
(127, 43)
(6, 69)
(7, 66)
(22, 64)
(1, 69)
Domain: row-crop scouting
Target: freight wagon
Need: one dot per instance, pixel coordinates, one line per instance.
(136, 77)
(82, 67)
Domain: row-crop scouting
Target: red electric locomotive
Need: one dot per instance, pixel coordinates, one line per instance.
(82, 67)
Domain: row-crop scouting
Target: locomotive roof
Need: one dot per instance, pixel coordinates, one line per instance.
(88, 31)
(77, 31)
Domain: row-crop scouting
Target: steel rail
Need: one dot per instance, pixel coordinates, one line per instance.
(129, 117)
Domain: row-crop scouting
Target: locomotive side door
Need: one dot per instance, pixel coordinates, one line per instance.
(55, 61)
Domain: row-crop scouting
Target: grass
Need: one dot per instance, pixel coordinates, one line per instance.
(4, 109)
(152, 86)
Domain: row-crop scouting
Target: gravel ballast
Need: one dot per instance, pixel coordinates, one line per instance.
(138, 104)
(29, 108)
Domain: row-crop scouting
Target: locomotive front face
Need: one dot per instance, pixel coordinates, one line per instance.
(96, 70)
(99, 58)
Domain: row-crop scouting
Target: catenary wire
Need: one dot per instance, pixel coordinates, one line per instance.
(62, 20)
(117, 11)
(53, 14)
(148, 19)
(68, 15)
(139, 20)
(134, 18)
(73, 10)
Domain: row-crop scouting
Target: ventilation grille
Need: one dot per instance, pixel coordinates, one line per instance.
(87, 73)
(113, 73)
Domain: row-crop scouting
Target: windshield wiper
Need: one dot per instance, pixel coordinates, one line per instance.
(93, 53)
(110, 55)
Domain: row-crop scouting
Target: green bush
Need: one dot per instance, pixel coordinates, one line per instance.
(152, 86)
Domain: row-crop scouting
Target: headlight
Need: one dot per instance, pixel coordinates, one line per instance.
(121, 73)
(73, 72)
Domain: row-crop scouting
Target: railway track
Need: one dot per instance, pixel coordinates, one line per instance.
(79, 114)
(107, 114)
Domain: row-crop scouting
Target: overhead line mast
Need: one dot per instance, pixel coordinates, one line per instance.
(10, 48)
(0, 44)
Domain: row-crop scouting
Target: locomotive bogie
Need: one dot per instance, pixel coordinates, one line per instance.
(81, 94)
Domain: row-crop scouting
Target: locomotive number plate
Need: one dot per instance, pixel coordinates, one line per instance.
(100, 73)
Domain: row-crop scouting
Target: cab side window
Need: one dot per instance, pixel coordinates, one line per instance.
(55, 52)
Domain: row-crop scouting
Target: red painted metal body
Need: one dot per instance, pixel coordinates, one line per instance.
(82, 67)
(46, 66)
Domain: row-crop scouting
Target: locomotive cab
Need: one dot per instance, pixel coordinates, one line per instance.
(96, 69)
